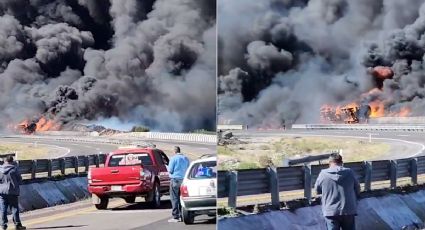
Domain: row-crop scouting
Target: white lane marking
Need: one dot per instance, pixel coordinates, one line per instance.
(403, 135)
(379, 138)
(67, 150)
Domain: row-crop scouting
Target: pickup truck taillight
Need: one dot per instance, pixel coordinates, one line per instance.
(145, 174)
(183, 191)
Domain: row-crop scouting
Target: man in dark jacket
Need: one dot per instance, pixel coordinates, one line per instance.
(339, 188)
(10, 180)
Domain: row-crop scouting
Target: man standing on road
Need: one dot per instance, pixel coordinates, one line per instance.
(177, 169)
(10, 180)
(340, 189)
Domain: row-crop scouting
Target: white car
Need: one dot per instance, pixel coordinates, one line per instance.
(198, 191)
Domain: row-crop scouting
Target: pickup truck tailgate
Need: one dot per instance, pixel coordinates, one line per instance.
(115, 175)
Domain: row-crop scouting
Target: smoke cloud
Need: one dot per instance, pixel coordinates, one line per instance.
(144, 62)
(281, 60)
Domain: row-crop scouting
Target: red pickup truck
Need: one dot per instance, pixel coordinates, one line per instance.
(128, 173)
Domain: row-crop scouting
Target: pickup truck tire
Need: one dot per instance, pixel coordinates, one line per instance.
(130, 199)
(188, 216)
(154, 197)
(103, 203)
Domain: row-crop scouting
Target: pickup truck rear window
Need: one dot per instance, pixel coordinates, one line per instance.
(203, 170)
(129, 159)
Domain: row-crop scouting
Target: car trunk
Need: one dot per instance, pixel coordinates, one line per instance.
(202, 187)
(201, 179)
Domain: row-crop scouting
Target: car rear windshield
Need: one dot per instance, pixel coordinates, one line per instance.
(128, 159)
(203, 170)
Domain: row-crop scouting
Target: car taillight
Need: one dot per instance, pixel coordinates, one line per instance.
(89, 177)
(183, 191)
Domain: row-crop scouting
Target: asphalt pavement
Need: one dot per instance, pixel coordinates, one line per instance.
(119, 215)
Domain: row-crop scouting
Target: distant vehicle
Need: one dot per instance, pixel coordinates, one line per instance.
(198, 190)
(130, 172)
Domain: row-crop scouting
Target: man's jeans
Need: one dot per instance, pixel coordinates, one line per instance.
(345, 222)
(11, 201)
(175, 197)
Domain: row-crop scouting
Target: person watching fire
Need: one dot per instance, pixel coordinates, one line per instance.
(340, 189)
(10, 180)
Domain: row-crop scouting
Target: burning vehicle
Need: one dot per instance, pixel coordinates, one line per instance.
(370, 107)
(350, 114)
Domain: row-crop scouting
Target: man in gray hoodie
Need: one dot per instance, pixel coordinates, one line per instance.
(10, 180)
(340, 189)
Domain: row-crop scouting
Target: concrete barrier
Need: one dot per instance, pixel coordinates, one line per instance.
(85, 136)
(36, 195)
(231, 127)
(393, 211)
(191, 137)
(397, 120)
(366, 127)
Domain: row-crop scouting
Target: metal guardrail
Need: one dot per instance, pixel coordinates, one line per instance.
(32, 167)
(232, 184)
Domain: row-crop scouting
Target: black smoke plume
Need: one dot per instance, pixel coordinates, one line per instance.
(281, 60)
(146, 62)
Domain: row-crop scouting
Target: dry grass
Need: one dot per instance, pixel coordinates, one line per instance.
(253, 154)
(27, 151)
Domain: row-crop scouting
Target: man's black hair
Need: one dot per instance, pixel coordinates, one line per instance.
(177, 149)
(336, 158)
(9, 159)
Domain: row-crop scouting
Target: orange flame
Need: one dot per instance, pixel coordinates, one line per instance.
(382, 72)
(377, 109)
(47, 125)
(42, 124)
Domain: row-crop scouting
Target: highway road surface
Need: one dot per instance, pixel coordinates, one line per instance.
(83, 216)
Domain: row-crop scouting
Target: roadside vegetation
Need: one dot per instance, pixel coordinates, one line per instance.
(273, 151)
(28, 151)
(140, 129)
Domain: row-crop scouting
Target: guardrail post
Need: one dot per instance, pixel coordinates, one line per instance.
(86, 163)
(414, 170)
(274, 187)
(393, 173)
(307, 182)
(62, 165)
(96, 160)
(367, 175)
(76, 165)
(49, 168)
(233, 188)
(34, 169)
